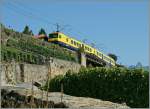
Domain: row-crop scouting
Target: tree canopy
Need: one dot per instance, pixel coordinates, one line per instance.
(27, 30)
(113, 56)
(42, 31)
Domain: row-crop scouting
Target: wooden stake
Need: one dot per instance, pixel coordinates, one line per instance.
(32, 95)
(47, 93)
(61, 91)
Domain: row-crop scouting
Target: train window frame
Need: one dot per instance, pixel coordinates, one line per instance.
(75, 43)
(72, 42)
(97, 53)
(85, 47)
(67, 39)
(59, 36)
(90, 50)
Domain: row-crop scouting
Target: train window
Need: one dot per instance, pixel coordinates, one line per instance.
(59, 36)
(71, 41)
(74, 43)
(67, 39)
(53, 35)
(90, 50)
(83, 46)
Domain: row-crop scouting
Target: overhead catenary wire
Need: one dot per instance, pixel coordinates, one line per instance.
(99, 46)
(26, 14)
(27, 11)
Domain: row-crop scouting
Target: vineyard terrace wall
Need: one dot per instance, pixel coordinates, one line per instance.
(14, 72)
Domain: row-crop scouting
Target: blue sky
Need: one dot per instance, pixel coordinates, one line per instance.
(114, 27)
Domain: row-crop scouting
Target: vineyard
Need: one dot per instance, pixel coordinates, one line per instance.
(25, 48)
(112, 84)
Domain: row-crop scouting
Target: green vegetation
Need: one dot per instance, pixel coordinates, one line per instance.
(27, 30)
(113, 56)
(146, 68)
(9, 53)
(42, 31)
(112, 84)
(139, 66)
(25, 48)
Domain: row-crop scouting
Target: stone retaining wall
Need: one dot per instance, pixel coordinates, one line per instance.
(14, 72)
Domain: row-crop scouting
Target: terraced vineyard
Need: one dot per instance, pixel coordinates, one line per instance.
(25, 48)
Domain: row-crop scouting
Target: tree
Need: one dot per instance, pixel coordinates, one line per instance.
(31, 33)
(27, 30)
(42, 31)
(113, 56)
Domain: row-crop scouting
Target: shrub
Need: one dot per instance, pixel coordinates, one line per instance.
(113, 84)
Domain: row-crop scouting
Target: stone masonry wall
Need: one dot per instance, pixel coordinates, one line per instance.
(14, 72)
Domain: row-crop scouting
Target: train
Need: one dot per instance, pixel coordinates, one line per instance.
(73, 44)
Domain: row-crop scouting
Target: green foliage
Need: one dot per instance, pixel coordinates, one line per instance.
(113, 56)
(113, 84)
(42, 31)
(7, 31)
(51, 51)
(9, 53)
(27, 30)
(40, 50)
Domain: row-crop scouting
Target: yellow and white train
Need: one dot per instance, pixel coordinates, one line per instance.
(73, 44)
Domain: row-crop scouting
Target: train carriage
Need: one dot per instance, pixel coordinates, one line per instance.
(73, 44)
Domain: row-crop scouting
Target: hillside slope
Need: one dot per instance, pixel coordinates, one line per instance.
(25, 48)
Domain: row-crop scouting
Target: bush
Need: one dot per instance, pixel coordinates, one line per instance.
(113, 84)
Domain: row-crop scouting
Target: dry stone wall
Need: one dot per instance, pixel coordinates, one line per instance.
(14, 72)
